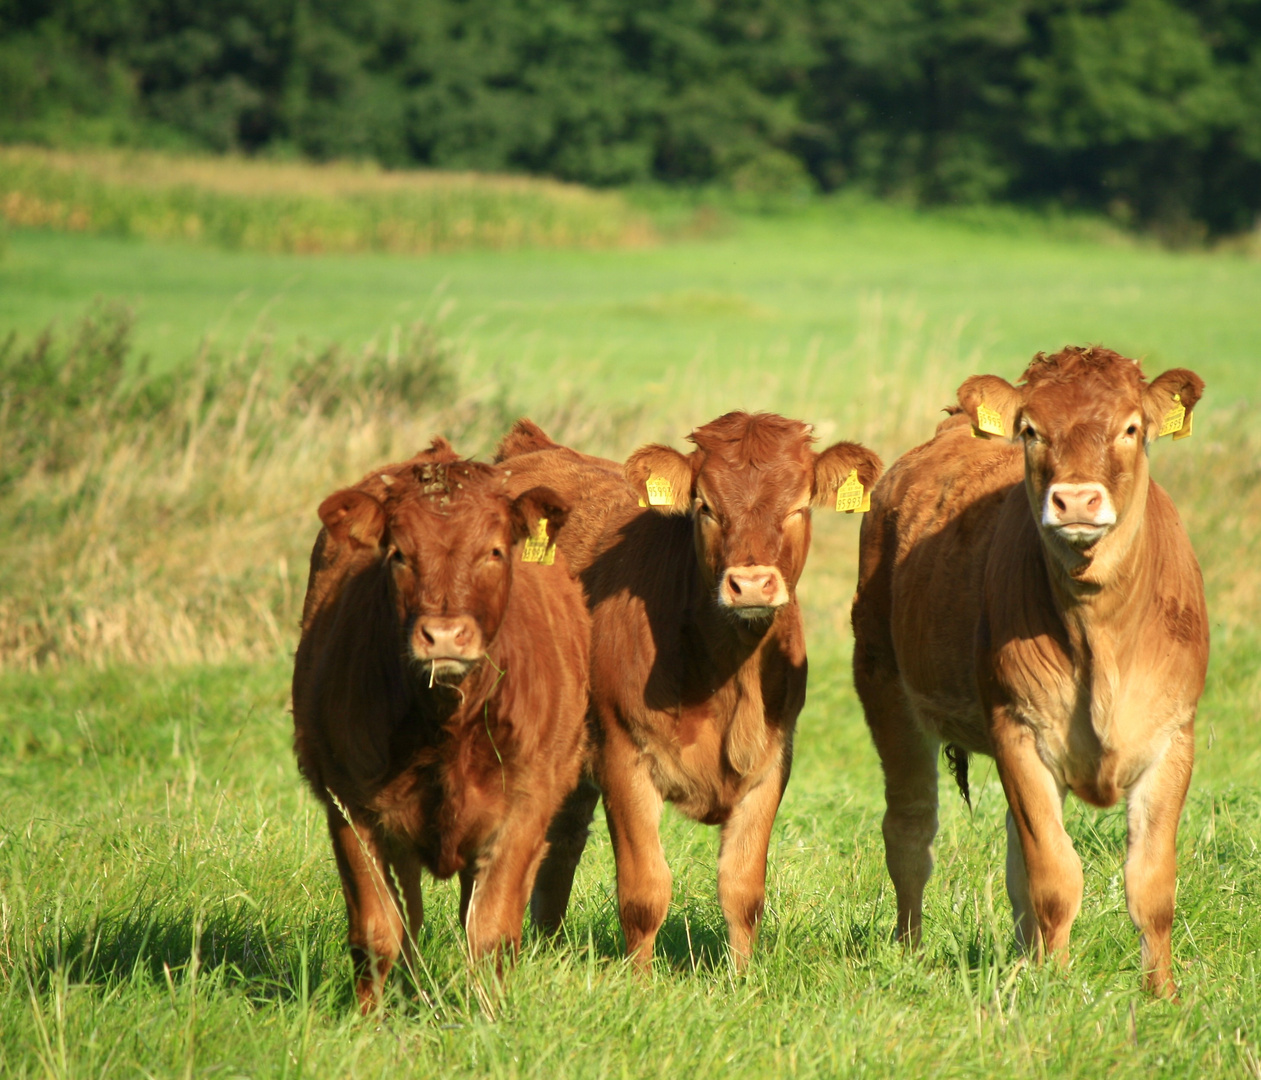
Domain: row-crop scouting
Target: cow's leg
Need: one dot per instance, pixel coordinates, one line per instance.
(908, 756)
(404, 869)
(566, 839)
(372, 908)
(497, 898)
(1047, 896)
(746, 836)
(632, 807)
(1153, 807)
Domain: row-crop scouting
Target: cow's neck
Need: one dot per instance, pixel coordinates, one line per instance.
(1103, 602)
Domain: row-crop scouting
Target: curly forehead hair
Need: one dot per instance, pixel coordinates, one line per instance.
(752, 438)
(1075, 364)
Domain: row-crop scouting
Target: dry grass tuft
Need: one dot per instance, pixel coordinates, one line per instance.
(169, 520)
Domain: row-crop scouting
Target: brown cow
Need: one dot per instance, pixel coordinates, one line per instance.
(439, 696)
(1038, 602)
(698, 664)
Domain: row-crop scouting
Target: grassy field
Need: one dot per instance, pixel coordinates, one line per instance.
(168, 903)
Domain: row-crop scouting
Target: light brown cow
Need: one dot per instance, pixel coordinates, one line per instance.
(439, 696)
(698, 664)
(1038, 601)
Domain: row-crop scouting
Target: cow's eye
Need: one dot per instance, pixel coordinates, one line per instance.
(1132, 430)
(704, 509)
(497, 554)
(397, 557)
(1028, 431)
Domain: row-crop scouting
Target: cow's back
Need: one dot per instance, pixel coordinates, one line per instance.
(922, 559)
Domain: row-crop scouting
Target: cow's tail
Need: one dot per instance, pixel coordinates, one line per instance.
(957, 763)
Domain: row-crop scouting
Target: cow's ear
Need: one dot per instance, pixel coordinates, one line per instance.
(833, 466)
(992, 403)
(524, 437)
(355, 516)
(662, 477)
(1158, 398)
(535, 505)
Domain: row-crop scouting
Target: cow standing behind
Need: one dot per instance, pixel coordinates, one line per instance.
(1038, 602)
(698, 669)
(439, 697)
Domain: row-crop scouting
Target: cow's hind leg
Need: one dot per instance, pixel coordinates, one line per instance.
(908, 755)
(1153, 807)
(746, 835)
(566, 839)
(1047, 895)
(376, 929)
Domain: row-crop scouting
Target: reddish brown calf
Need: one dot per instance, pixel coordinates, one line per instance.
(439, 696)
(698, 667)
(1038, 601)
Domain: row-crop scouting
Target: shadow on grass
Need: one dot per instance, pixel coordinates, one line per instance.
(235, 948)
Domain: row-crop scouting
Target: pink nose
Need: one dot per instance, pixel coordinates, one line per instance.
(447, 637)
(754, 586)
(1078, 504)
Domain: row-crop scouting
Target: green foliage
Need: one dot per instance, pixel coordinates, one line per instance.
(1150, 109)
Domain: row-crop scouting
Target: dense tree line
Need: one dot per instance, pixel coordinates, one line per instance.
(1150, 109)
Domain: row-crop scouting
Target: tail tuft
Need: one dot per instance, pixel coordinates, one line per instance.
(957, 763)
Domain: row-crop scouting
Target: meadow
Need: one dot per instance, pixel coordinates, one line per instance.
(168, 903)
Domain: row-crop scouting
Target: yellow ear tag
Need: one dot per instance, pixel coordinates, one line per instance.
(660, 493)
(850, 496)
(537, 549)
(988, 422)
(1173, 419)
(1185, 431)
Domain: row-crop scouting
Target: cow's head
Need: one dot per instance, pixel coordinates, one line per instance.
(749, 486)
(450, 537)
(1085, 418)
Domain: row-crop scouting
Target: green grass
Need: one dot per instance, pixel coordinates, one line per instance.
(170, 908)
(762, 298)
(168, 901)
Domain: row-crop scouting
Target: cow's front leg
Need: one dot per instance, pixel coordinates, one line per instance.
(1153, 807)
(376, 923)
(746, 836)
(494, 898)
(1046, 897)
(566, 839)
(632, 807)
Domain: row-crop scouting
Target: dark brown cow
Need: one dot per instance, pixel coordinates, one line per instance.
(439, 696)
(698, 665)
(1038, 602)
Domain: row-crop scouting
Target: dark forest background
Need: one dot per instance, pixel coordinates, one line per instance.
(1148, 110)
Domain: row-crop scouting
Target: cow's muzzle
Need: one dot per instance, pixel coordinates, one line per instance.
(752, 592)
(1081, 514)
(447, 646)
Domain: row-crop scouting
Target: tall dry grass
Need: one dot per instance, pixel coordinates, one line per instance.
(168, 520)
(254, 205)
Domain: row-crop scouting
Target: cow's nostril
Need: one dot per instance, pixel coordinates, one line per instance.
(733, 585)
(424, 632)
(1058, 502)
(768, 585)
(1093, 502)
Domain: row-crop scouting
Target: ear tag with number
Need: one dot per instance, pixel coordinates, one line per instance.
(1185, 431)
(988, 422)
(1173, 419)
(660, 493)
(850, 496)
(537, 549)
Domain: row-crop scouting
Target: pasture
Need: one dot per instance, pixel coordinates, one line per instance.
(168, 903)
